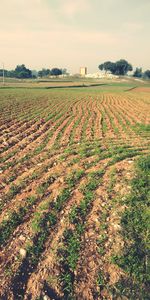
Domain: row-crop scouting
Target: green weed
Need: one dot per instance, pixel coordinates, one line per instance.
(136, 233)
(15, 218)
(74, 177)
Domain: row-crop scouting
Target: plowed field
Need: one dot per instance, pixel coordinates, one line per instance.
(66, 156)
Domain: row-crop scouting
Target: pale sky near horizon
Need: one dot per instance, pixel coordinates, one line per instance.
(74, 33)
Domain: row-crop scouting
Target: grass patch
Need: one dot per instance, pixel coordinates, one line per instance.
(139, 128)
(135, 223)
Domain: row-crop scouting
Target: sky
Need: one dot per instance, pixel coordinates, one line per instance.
(74, 33)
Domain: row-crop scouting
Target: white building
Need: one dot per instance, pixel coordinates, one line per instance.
(101, 75)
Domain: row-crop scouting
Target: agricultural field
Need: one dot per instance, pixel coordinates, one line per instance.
(74, 192)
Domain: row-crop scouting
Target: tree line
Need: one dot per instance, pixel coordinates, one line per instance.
(138, 73)
(122, 67)
(22, 72)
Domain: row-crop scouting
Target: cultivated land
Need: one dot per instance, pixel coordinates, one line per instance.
(74, 170)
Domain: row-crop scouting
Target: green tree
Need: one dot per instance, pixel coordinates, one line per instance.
(146, 74)
(101, 67)
(7, 73)
(138, 73)
(56, 72)
(120, 67)
(107, 66)
(44, 72)
(22, 72)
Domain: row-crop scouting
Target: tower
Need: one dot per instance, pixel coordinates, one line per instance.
(83, 71)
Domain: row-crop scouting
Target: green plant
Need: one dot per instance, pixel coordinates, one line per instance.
(15, 218)
(100, 280)
(74, 177)
(136, 233)
(112, 180)
(66, 281)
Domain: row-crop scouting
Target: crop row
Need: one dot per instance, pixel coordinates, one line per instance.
(112, 124)
(16, 218)
(66, 160)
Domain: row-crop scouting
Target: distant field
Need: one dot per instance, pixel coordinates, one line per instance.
(124, 82)
(67, 161)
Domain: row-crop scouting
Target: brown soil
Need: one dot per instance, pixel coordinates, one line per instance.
(76, 118)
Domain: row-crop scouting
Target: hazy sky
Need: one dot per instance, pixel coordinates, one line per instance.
(74, 33)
